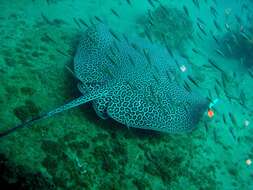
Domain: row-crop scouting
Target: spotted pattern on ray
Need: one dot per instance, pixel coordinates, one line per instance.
(132, 74)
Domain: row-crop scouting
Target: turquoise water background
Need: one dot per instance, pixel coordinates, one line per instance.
(77, 149)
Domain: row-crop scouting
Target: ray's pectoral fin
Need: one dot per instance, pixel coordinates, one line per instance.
(74, 103)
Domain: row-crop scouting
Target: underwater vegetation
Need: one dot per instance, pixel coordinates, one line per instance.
(16, 176)
(166, 25)
(73, 162)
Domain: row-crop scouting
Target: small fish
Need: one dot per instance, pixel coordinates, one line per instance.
(150, 22)
(196, 3)
(242, 97)
(148, 36)
(217, 91)
(219, 52)
(230, 97)
(234, 38)
(166, 12)
(245, 36)
(150, 16)
(192, 39)
(227, 95)
(46, 19)
(231, 130)
(224, 79)
(218, 82)
(186, 10)
(61, 52)
(200, 37)
(244, 7)
(215, 39)
(77, 23)
(197, 51)
(212, 62)
(232, 118)
(91, 21)
(98, 19)
(49, 38)
(177, 64)
(209, 99)
(238, 19)
(201, 28)
(217, 26)
(224, 119)
(201, 21)
(185, 56)
(210, 95)
(206, 127)
(136, 47)
(193, 81)
(169, 50)
(213, 11)
(147, 56)
(125, 37)
(151, 3)
(115, 13)
(227, 26)
(250, 73)
(229, 48)
(187, 86)
(129, 2)
(83, 22)
(114, 35)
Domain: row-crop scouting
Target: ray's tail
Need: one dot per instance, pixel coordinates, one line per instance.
(74, 103)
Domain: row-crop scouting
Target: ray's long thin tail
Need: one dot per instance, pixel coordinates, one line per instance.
(74, 103)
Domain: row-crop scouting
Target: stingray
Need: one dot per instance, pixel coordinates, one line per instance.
(130, 81)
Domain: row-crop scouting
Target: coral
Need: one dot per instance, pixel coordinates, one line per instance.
(19, 177)
(233, 171)
(52, 147)
(162, 164)
(26, 90)
(28, 110)
(110, 184)
(101, 153)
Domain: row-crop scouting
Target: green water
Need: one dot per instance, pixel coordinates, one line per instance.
(78, 150)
